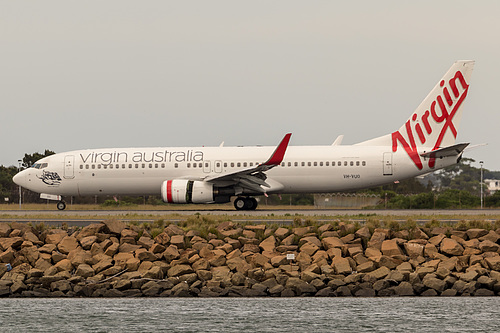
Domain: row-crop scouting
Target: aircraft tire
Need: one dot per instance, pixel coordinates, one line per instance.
(61, 205)
(240, 203)
(250, 204)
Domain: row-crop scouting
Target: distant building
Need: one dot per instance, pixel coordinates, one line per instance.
(492, 185)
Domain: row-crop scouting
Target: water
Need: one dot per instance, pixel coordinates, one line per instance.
(418, 314)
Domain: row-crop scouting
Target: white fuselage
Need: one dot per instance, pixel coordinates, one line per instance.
(141, 171)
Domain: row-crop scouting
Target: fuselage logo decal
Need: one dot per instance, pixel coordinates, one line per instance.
(447, 108)
(187, 155)
(50, 178)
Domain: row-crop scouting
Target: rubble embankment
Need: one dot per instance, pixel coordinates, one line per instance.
(114, 259)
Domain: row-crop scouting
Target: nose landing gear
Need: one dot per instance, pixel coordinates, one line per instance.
(61, 205)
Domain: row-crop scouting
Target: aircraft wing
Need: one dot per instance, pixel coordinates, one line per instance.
(254, 178)
(454, 150)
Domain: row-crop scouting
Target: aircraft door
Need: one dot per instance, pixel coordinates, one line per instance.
(207, 167)
(387, 164)
(69, 167)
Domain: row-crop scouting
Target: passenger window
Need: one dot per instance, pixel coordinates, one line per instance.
(200, 165)
(315, 163)
(225, 164)
(303, 163)
(238, 164)
(282, 164)
(308, 163)
(188, 165)
(296, 164)
(111, 166)
(130, 166)
(327, 163)
(364, 163)
(81, 166)
(320, 163)
(345, 163)
(194, 165)
(357, 163)
(232, 164)
(289, 164)
(86, 166)
(176, 165)
(352, 163)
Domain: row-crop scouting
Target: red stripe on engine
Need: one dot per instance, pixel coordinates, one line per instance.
(169, 192)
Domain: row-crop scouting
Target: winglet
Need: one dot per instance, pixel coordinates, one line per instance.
(279, 153)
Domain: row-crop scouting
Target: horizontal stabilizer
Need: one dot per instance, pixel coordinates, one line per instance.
(454, 150)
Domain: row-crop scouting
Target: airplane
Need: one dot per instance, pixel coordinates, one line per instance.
(203, 175)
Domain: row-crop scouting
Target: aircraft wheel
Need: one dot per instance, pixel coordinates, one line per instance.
(61, 205)
(250, 204)
(240, 203)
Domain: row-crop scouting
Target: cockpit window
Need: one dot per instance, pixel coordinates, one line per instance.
(40, 165)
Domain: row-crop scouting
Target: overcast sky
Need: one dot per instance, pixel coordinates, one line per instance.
(97, 74)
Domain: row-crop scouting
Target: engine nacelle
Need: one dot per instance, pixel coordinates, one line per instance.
(187, 191)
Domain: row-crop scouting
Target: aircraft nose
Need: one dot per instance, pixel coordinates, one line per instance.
(20, 178)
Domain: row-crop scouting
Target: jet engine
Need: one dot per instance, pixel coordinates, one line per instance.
(187, 191)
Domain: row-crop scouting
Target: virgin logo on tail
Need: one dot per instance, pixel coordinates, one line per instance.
(440, 117)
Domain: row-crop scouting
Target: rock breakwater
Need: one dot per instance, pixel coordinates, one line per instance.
(114, 259)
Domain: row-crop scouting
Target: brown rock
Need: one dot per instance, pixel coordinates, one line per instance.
(172, 229)
(115, 226)
(451, 247)
(177, 240)
(29, 236)
(281, 232)
(67, 244)
(162, 239)
(414, 249)
(7, 256)
(377, 238)
(13, 242)
(112, 249)
(64, 265)
(366, 267)
(5, 229)
(436, 240)
(341, 265)
(390, 248)
(84, 271)
(363, 233)
(493, 263)
(309, 248)
(268, 244)
(476, 233)
(145, 255)
(379, 273)
(491, 236)
(145, 242)
(488, 246)
(90, 230)
(179, 270)
(87, 242)
(332, 242)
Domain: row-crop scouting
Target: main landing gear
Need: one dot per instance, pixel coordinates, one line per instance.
(242, 203)
(61, 205)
